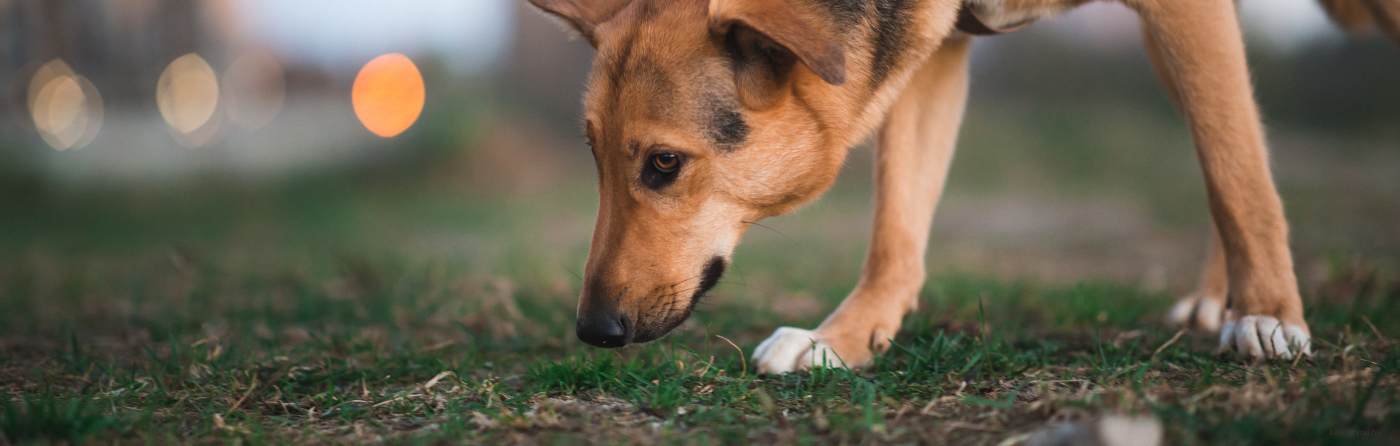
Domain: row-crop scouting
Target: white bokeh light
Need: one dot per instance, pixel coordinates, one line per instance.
(187, 93)
(65, 107)
(256, 88)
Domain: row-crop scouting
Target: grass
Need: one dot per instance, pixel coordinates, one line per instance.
(955, 381)
(198, 330)
(414, 306)
(47, 417)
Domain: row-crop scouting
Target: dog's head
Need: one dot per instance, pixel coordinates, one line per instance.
(698, 123)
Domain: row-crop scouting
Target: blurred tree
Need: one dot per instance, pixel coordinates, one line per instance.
(547, 69)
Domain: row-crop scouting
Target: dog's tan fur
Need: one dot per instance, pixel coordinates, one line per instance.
(761, 100)
(1359, 16)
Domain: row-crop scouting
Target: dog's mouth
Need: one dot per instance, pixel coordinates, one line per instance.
(648, 329)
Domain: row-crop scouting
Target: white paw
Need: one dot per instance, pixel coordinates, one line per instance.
(1263, 337)
(791, 349)
(1196, 311)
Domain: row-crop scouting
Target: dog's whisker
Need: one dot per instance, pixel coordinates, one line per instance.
(697, 276)
(761, 225)
(570, 270)
(679, 292)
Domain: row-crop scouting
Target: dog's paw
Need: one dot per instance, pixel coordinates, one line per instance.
(1264, 337)
(792, 349)
(1196, 311)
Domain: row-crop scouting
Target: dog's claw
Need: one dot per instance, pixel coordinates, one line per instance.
(792, 349)
(1196, 311)
(1264, 337)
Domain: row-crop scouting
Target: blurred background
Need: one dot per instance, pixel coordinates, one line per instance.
(170, 165)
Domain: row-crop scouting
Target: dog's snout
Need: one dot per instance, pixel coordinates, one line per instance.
(607, 329)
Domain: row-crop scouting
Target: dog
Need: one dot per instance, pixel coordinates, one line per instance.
(706, 116)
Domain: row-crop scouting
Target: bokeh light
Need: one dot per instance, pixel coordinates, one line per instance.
(212, 129)
(256, 89)
(66, 108)
(187, 94)
(388, 94)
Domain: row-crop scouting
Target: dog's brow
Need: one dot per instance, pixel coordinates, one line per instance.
(633, 147)
(620, 60)
(846, 12)
(647, 76)
(648, 11)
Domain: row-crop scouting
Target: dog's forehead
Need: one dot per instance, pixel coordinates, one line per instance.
(658, 67)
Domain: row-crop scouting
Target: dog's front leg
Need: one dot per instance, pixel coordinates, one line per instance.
(911, 163)
(1202, 47)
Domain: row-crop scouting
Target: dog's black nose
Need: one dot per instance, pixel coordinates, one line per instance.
(607, 329)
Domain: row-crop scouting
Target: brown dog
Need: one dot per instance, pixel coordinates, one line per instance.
(706, 116)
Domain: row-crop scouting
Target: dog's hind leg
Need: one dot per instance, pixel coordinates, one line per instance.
(1204, 307)
(1202, 47)
(911, 162)
(1358, 16)
(1386, 13)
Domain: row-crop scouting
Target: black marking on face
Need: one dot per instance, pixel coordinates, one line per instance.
(618, 67)
(646, 78)
(846, 12)
(892, 26)
(726, 127)
(647, 11)
(651, 330)
(709, 277)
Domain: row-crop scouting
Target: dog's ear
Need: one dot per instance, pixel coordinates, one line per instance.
(582, 15)
(767, 29)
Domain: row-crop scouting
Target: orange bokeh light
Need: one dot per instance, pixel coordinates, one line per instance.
(388, 94)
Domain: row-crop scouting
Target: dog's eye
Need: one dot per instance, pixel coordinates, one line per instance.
(665, 162)
(661, 169)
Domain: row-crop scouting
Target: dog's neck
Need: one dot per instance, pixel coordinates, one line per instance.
(1005, 13)
(884, 45)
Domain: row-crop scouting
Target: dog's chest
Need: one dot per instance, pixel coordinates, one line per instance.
(1006, 13)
